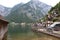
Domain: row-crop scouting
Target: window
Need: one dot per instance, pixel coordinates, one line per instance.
(57, 25)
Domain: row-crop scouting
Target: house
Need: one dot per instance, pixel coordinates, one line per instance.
(3, 28)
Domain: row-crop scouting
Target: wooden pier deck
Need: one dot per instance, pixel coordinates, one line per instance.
(48, 33)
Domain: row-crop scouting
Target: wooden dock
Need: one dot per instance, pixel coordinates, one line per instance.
(48, 33)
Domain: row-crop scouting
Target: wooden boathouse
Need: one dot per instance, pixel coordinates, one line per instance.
(3, 28)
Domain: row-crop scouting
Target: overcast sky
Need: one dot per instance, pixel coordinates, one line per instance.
(11, 3)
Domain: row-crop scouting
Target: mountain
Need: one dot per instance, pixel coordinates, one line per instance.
(16, 7)
(31, 11)
(4, 11)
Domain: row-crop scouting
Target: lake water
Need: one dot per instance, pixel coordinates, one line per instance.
(30, 36)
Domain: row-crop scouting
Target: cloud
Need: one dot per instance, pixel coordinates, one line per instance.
(11, 3)
(50, 2)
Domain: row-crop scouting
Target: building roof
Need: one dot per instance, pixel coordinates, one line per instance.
(2, 19)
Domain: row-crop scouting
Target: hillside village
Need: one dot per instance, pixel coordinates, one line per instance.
(50, 23)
